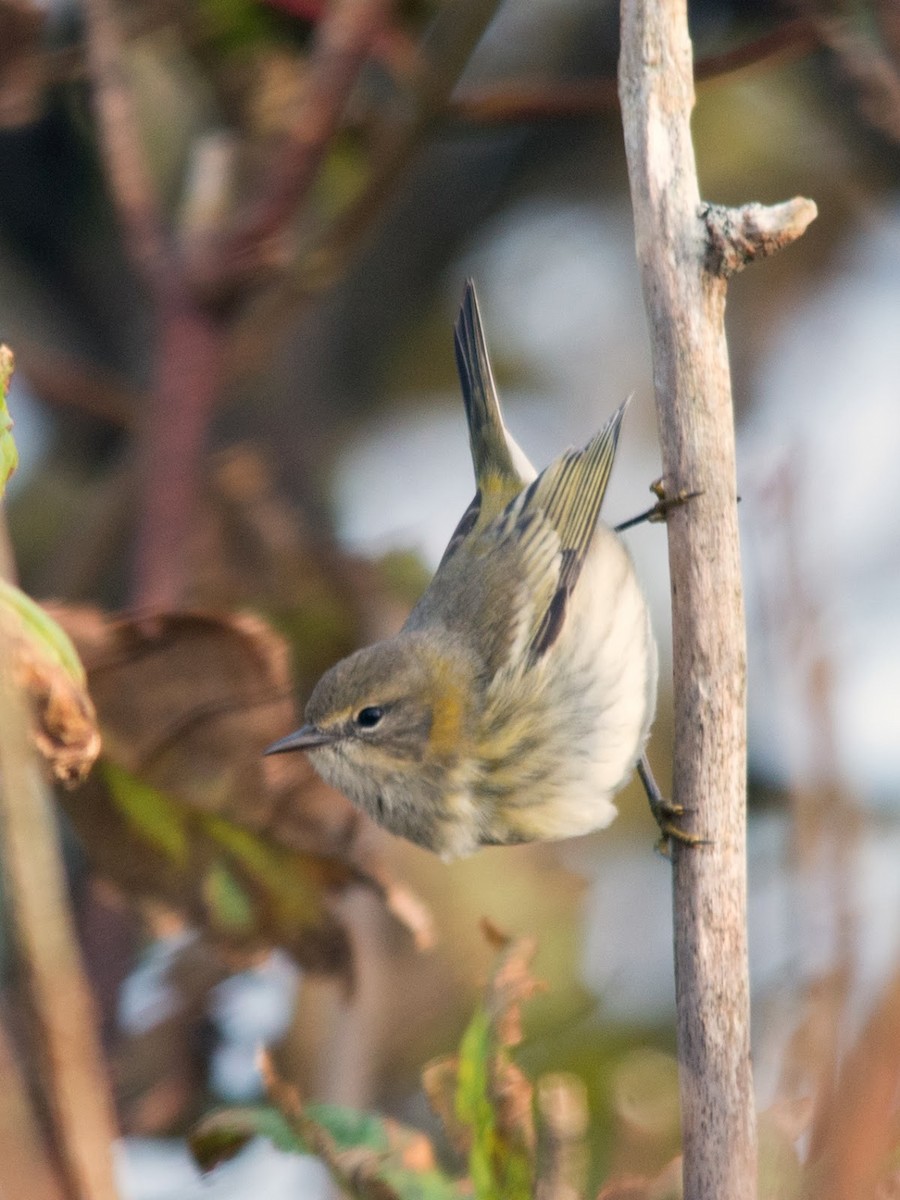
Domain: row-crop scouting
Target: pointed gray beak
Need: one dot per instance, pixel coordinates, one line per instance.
(304, 739)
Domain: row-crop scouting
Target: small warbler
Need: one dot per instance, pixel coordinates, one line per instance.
(517, 698)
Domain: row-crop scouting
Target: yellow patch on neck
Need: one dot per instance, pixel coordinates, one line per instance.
(447, 716)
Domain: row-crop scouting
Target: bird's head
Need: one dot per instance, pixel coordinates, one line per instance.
(385, 723)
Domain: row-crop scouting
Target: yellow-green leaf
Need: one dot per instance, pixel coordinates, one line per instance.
(9, 455)
(150, 812)
(36, 624)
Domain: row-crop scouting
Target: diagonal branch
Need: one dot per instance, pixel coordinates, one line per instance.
(455, 32)
(506, 103)
(344, 40)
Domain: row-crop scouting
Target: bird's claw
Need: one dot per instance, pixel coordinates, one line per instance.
(661, 508)
(665, 503)
(666, 813)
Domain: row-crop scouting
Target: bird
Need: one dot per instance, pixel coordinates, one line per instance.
(517, 699)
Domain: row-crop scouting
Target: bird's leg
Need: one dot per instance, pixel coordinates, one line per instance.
(661, 509)
(665, 812)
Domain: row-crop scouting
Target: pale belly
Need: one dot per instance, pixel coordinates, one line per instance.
(566, 742)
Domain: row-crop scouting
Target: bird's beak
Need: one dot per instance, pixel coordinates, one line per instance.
(303, 739)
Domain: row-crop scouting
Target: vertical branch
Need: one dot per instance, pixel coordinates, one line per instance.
(189, 353)
(685, 252)
(25, 1168)
(60, 1003)
(120, 145)
(174, 429)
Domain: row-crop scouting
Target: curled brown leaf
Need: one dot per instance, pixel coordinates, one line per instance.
(186, 809)
(64, 724)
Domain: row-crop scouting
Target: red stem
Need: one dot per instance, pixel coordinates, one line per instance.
(190, 354)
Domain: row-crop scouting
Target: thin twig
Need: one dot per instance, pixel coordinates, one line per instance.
(685, 301)
(455, 31)
(120, 144)
(67, 382)
(520, 101)
(871, 70)
(344, 39)
(60, 1005)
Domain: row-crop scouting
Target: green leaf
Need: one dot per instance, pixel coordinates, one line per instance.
(151, 813)
(245, 890)
(235, 26)
(9, 455)
(38, 626)
(222, 1134)
(230, 903)
(488, 1111)
(500, 1167)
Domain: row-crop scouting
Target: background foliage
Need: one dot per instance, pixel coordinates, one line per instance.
(232, 240)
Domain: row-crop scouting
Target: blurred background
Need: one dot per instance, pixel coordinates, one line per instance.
(233, 239)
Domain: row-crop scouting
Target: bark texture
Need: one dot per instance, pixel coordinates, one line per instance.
(685, 251)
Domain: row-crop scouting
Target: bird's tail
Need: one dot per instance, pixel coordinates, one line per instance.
(497, 459)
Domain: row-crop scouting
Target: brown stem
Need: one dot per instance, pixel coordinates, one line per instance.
(553, 99)
(120, 145)
(344, 39)
(190, 353)
(454, 34)
(67, 382)
(562, 1145)
(685, 304)
(25, 1168)
(60, 1005)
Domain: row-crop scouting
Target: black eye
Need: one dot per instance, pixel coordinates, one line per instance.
(368, 718)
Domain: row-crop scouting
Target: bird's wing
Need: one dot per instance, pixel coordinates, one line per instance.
(501, 468)
(566, 498)
(494, 587)
(506, 586)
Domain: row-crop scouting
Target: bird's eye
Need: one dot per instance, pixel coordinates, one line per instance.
(368, 718)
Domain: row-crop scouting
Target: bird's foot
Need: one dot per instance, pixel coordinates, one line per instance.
(661, 509)
(666, 813)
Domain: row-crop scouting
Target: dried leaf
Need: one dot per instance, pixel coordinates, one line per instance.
(47, 668)
(626, 1188)
(186, 810)
(857, 1130)
(667, 1185)
(511, 983)
(188, 702)
(440, 1079)
(245, 892)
